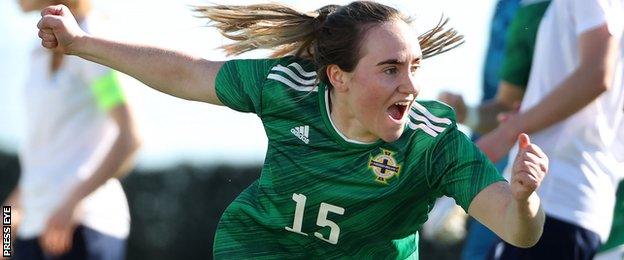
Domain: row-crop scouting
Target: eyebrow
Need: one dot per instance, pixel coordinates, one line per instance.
(395, 61)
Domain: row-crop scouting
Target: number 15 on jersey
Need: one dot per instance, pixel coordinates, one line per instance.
(321, 219)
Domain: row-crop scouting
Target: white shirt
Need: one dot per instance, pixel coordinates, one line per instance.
(586, 150)
(67, 138)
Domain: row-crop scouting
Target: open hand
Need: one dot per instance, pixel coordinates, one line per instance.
(59, 30)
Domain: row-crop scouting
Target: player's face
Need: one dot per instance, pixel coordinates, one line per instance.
(384, 84)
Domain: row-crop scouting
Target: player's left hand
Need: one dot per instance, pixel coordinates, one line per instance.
(529, 168)
(59, 233)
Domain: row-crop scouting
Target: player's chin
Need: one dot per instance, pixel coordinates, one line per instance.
(392, 134)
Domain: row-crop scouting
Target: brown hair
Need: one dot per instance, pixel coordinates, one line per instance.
(329, 35)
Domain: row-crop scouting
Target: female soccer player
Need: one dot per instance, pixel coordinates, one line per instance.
(354, 163)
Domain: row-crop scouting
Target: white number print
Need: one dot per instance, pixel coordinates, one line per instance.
(301, 200)
(321, 219)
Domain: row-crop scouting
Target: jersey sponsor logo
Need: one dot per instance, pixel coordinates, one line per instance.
(422, 119)
(295, 77)
(302, 133)
(384, 166)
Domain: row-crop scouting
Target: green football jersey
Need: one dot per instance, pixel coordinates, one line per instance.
(321, 195)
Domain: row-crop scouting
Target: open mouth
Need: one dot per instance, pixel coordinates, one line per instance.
(397, 110)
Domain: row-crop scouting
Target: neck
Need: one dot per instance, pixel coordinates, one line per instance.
(345, 121)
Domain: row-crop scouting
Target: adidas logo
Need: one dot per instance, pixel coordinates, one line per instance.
(301, 132)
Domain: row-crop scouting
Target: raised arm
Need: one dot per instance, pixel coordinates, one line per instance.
(168, 71)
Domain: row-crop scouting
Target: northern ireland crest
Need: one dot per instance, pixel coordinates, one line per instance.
(384, 166)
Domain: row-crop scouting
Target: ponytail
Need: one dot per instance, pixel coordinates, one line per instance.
(330, 35)
(266, 26)
(438, 40)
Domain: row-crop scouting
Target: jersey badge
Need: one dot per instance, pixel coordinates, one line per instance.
(384, 166)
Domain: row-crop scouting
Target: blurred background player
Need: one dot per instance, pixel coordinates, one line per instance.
(577, 65)
(80, 138)
(514, 78)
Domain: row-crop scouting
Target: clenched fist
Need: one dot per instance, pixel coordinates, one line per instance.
(529, 169)
(59, 30)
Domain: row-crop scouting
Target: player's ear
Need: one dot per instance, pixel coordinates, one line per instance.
(338, 77)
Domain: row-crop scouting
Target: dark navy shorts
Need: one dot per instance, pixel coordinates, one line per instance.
(560, 240)
(87, 244)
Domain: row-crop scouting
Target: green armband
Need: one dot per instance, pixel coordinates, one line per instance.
(107, 91)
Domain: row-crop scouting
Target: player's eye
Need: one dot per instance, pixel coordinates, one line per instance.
(414, 68)
(391, 71)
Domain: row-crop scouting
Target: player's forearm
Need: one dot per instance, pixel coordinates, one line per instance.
(488, 113)
(573, 94)
(524, 222)
(116, 163)
(168, 71)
